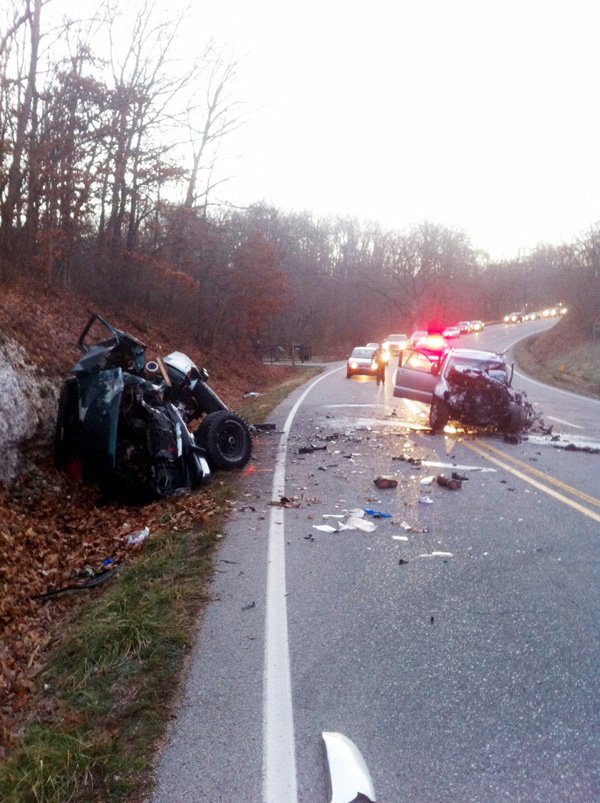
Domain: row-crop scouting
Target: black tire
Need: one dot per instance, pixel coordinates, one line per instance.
(226, 438)
(66, 435)
(516, 418)
(439, 414)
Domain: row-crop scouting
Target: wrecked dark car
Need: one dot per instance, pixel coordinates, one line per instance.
(124, 423)
(472, 387)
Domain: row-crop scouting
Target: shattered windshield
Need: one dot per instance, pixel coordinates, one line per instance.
(496, 368)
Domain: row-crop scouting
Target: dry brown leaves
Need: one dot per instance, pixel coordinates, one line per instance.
(53, 535)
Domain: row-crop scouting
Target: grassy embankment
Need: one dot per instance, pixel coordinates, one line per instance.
(564, 356)
(104, 698)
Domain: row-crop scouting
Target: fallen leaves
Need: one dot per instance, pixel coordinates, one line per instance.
(52, 534)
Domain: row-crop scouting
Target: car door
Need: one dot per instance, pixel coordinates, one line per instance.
(415, 378)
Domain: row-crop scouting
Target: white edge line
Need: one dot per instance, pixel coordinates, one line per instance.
(279, 751)
(561, 421)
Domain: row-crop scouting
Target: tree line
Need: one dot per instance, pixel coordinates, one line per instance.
(110, 153)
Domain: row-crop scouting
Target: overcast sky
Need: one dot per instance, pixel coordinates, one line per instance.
(478, 114)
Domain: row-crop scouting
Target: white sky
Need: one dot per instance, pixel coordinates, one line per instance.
(479, 114)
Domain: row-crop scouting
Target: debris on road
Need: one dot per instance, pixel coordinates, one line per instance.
(385, 482)
(437, 555)
(452, 484)
(285, 501)
(377, 514)
(427, 480)
(414, 461)
(410, 529)
(425, 500)
(312, 448)
(249, 606)
(355, 523)
(325, 528)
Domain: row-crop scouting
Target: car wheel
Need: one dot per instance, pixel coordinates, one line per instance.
(226, 438)
(348, 375)
(516, 418)
(439, 414)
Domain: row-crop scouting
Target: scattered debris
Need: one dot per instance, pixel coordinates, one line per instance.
(377, 514)
(410, 529)
(312, 448)
(434, 464)
(452, 484)
(402, 562)
(437, 555)
(457, 476)
(572, 447)
(137, 537)
(414, 461)
(400, 537)
(385, 482)
(427, 480)
(355, 523)
(325, 528)
(425, 500)
(249, 606)
(285, 501)
(265, 427)
(349, 773)
(94, 578)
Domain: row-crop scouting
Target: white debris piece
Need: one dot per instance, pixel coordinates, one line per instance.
(437, 555)
(427, 481)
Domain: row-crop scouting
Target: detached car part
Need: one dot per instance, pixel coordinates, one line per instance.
(349, 773)
(123, 423)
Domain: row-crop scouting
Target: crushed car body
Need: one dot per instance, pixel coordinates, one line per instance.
(470, 386)
(123, 423)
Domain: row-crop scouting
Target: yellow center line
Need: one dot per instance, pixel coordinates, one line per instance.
(540, 486)
(592, 500)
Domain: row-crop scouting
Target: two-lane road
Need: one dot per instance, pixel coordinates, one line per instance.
(459, 655)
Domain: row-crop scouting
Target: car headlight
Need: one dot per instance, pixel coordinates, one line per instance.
(353, 364)
(506, 318)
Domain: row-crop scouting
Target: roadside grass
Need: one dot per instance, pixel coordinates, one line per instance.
(575, 368)
(105, 696)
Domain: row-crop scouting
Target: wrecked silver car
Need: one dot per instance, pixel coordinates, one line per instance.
(472, 387)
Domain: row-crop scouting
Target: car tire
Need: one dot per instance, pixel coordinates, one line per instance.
(439, 414)
(348, 375)
(226, 438)
(516, 418)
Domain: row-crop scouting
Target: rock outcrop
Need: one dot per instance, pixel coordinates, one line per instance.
(28, 405)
